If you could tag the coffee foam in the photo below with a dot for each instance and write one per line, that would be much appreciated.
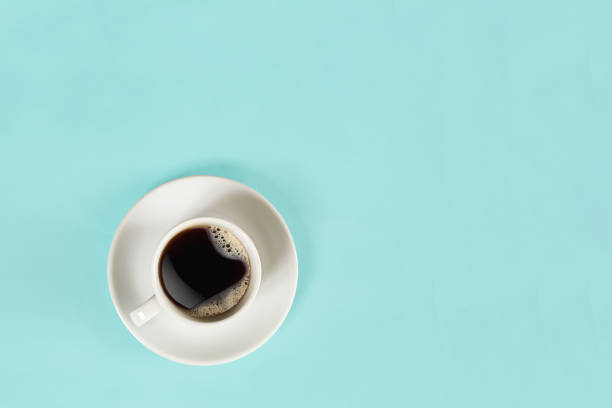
(228, 245)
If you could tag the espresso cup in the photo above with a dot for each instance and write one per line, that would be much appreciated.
(160, 302)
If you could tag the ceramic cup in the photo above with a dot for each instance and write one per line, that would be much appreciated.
(160, 302)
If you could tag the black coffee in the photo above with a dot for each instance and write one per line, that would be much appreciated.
(205, 271)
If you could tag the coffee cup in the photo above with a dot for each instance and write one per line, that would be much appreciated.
(205, 270)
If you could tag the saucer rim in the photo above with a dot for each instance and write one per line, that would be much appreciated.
(172, 356)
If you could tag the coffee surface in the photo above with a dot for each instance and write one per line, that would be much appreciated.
(205, 271)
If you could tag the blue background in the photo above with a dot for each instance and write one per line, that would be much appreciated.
(444, 168)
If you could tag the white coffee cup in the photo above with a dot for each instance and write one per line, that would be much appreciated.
(160, 302)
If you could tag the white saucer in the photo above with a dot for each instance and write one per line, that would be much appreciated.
(131, 252)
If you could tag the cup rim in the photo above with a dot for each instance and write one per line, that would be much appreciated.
(254, 260)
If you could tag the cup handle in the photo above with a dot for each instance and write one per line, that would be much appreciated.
(146, 311)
